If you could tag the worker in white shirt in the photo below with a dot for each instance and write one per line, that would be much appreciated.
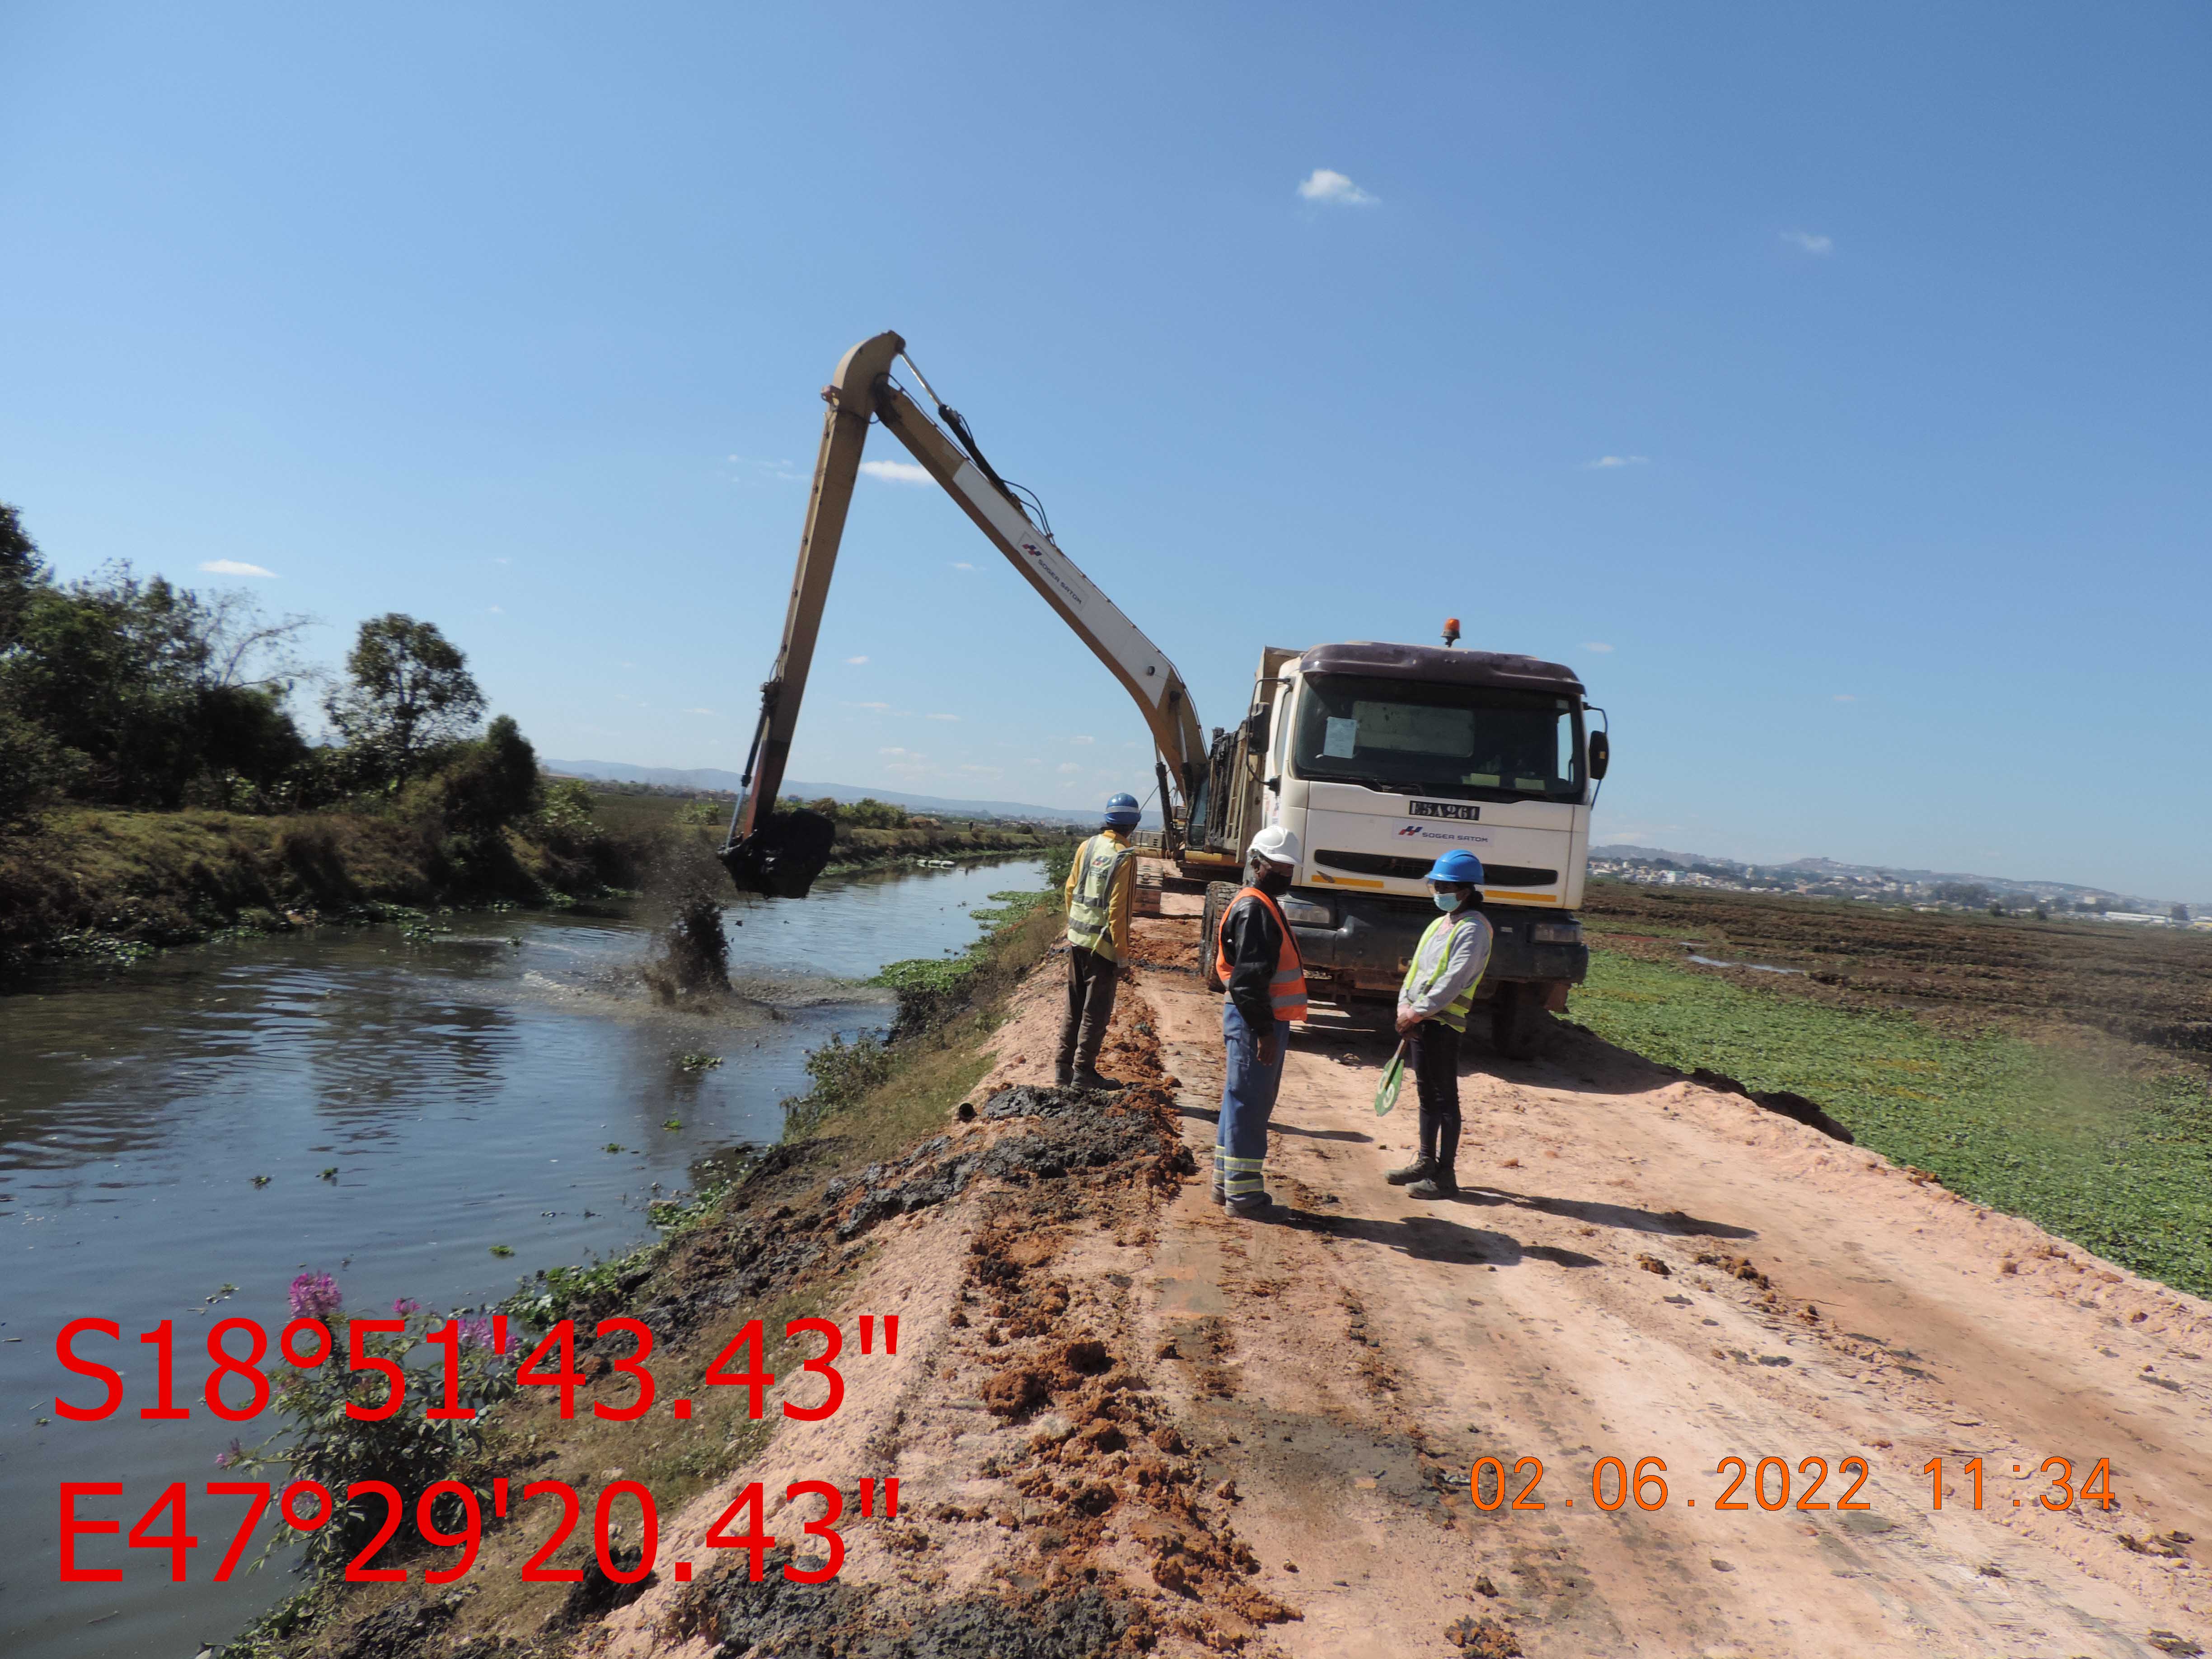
(1432, 1007)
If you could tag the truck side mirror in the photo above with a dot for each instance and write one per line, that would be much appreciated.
(1601, 754)
(1255, 728)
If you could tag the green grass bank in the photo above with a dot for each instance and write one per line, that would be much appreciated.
(2103, 1144)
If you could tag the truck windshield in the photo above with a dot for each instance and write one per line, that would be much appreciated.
(1463, 742)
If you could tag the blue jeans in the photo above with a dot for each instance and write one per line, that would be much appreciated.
(1247, 1101)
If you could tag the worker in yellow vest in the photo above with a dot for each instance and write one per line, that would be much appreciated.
(1101, 886)
(1256, 957)
(1433, 1006)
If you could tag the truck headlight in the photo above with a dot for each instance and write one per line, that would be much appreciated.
(1555, 933)
(1305, 910)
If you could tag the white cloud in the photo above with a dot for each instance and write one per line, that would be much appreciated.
(879, 706)
(699, 711)
(1843, 696)
(1083, 740)
(854, 662)
(945, 717)
(495, 611)
(232, 567)
(1069, 766)
(1605, 461)
(982, 771)
(896, 472)
(897, 751)
(1810, 242)
(1327, 186)
(502, 561)
(1592, 645)
(781, 471)
(962, 564)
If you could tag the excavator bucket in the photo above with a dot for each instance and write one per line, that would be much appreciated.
(780, 859)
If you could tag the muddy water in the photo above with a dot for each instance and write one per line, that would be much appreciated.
(463, 1091)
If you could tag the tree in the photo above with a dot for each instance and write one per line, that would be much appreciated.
(491, 782)
(2180, 913)
(138, 688)
(21, 570)
(410, 694)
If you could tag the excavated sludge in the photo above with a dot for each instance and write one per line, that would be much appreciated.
(838, 1620)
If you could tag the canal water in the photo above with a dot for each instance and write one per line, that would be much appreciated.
(463, 1094)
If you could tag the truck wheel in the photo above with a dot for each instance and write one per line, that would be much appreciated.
(1217, 896)
(1518, 1021)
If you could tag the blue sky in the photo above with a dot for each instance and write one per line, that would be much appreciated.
(1828, 386)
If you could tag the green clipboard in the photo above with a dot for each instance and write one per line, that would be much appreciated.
(1394, 1075)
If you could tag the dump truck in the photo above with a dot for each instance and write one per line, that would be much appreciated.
(1378, 756)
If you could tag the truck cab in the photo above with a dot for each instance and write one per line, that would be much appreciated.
(1379, 757)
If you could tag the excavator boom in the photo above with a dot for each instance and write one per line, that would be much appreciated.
(779, 854)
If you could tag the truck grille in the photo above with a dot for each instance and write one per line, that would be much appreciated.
(1382, 864)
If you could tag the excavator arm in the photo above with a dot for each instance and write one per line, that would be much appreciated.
(779, 854)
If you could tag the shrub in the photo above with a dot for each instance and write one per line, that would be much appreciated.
(407, 1450)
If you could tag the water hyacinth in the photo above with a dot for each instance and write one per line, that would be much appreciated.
(318, 1439)
(315, 1296)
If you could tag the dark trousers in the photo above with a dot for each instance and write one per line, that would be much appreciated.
(1432, 1052)
(1090, 981)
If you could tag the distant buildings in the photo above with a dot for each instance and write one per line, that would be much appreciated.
(1921, 889)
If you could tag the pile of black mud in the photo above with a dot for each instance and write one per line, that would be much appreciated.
(778, 1230)
(838, 1620)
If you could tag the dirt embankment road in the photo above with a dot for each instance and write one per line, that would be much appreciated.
(1123, 1419)
(1591, 1294)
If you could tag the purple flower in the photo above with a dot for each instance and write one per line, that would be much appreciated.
(233, 1453)
(475, 1333)
(404, 1305)
(315, 1296)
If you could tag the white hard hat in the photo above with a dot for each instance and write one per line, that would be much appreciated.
(1275, 844)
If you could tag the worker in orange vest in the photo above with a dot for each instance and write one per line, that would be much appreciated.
(1256, 957)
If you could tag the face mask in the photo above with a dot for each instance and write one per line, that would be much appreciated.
(1449, 901)
(1273, 883)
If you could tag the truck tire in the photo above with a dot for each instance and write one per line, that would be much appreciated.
(1217, 896)
(1518, 1020)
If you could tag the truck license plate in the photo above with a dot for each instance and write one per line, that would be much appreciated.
(1443, 809)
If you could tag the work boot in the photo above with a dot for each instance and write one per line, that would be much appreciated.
(1087, 1078)
(1250, 1204)
(1420, 1168)
(1063, 1075)
(1440, 1183)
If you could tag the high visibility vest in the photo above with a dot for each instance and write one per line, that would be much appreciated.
(1287, 991)
(1455, 1013)
(1090, 911)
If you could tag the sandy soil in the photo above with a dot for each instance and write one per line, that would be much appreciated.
(1257, 1434)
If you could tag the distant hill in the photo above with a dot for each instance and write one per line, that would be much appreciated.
(2006, 888)
(713, 777)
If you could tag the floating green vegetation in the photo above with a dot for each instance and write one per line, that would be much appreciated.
(502, 1250)
(698, 1062)
(2114, 1159)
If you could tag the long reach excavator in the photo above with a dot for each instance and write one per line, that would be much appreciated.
(1378, 756)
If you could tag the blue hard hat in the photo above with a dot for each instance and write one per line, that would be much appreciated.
(1458, 867)
(1122, 811)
